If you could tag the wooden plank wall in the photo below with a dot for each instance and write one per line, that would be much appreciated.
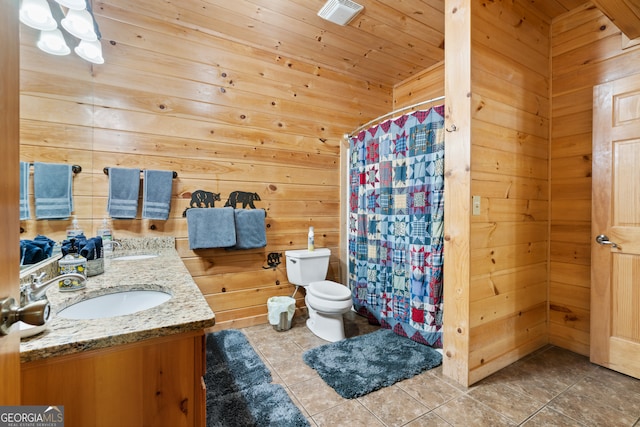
(519, 105)
(457, 188)
(224, 116)
(587, 49)
(510, 111)
(426, 85)
(503, 271)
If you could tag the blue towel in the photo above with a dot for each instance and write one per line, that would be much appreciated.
(250, 228)
(36, 250)
(45, 243)
(211, 228)
(91, 248)
(124, 187)
(53, 190)
(156, 196)
(24, 191)
(30, 253)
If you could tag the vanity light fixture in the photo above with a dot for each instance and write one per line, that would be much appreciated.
(46, 15)
(37, 14)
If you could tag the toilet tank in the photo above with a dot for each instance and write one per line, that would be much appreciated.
(304, 267)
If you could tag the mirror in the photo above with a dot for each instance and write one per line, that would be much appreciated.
(51, 262)
(56, 126)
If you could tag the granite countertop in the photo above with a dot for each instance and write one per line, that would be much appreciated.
(187, 310)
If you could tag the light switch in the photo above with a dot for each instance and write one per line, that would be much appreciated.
(476, 205)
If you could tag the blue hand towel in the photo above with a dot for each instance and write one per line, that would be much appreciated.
(24, 191)
(30, 253)
(124, 187)
(211, 228)
(45, 243)
(52, 190)
(92, 248)
(250, 228)
(156, 197)
(36, 250)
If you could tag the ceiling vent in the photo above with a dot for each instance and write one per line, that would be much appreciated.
(340, 12)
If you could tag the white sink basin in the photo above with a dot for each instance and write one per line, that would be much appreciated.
(116, 304)
(134, 257)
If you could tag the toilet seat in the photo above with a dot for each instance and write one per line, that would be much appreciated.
(328, 290)
(328, 297)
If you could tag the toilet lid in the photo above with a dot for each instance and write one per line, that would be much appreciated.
(329, 290)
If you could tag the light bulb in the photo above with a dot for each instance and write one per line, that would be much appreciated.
(73, 4)
(79, 23)
(52, 42)
(37, 14)
(90, 51)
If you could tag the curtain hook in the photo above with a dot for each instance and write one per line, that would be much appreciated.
(453, 128)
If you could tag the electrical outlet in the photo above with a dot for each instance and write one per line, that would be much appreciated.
(476, 205)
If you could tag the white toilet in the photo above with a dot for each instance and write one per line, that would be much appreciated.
(326, 301)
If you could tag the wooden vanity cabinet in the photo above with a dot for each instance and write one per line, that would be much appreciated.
(155, 382)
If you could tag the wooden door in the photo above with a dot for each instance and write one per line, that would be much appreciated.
(9, 193)
(615, 265)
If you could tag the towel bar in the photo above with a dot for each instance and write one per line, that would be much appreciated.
(74, 168)
(106, 172)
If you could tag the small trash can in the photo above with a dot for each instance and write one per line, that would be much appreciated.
(281, 311)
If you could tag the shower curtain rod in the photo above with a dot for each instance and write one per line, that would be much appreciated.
(408, 107)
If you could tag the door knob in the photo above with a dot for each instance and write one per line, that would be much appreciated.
(37, 313)
(604, 240)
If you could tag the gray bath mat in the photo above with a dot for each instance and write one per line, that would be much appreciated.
(239, 389)
(357, 366)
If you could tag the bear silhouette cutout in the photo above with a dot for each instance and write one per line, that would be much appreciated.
(203, 199)
(243, 197)
(273, 260)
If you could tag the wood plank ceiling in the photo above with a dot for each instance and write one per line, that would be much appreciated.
(624, 13)
(386, 43)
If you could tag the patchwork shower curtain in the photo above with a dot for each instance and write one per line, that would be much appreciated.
(396, 214)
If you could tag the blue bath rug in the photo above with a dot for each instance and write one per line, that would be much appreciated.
(239, 389)
(357, 366)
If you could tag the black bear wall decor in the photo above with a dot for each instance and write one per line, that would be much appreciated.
(203, 199)
(273, 260)
(243, 197)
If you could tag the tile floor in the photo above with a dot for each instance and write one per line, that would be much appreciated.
(552, 387)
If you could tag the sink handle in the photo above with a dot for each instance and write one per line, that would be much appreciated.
(36, 313)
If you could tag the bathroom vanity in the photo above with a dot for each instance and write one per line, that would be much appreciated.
(137, 369)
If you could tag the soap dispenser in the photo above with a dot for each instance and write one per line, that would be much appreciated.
(107, 236)
(72, 262)
(74, 229)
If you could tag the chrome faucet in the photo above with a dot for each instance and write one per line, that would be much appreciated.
(112, 243)
(108, 246)
(35, 290)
